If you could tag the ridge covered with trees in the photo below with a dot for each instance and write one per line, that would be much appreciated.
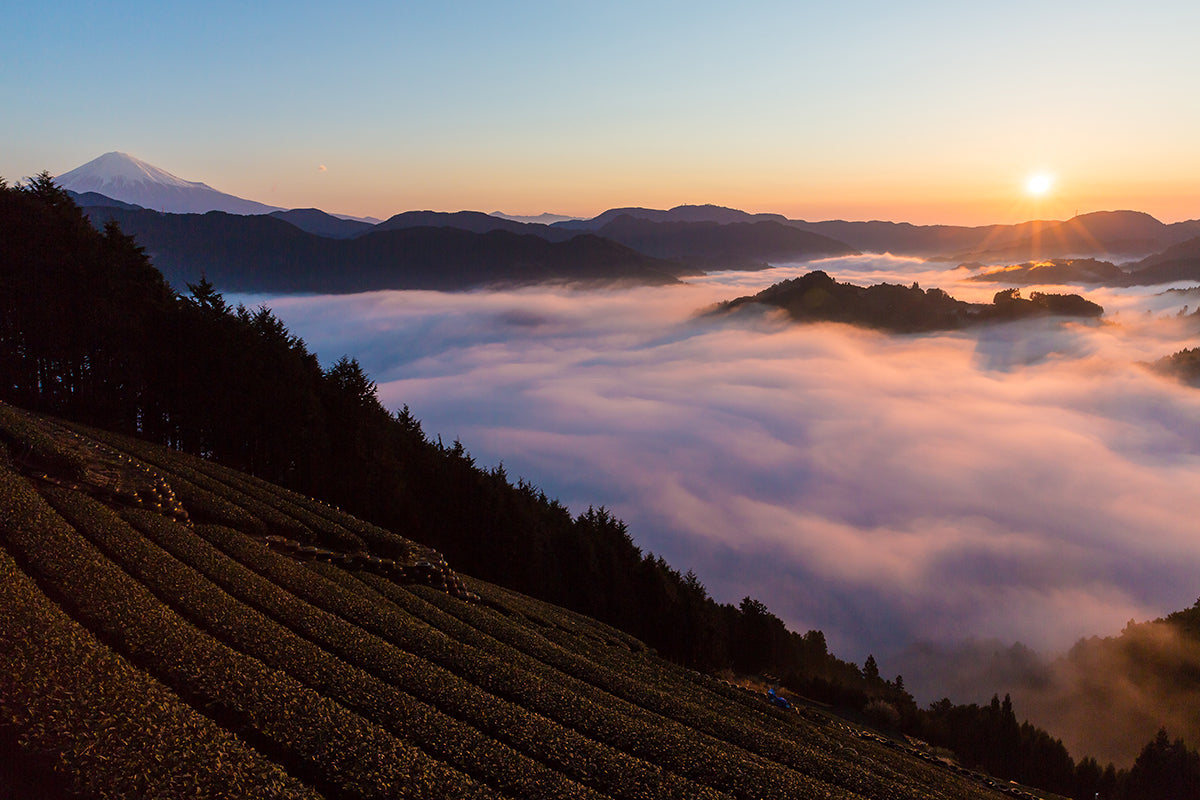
(817, 297)
(91, 332)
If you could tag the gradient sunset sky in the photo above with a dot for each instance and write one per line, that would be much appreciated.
(924, 112)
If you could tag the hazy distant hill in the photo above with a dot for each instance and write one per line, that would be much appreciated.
(1180, 262)
(1107, 232)
(711, 245)
(1058, 271)
(542, 219)
(875, 237)
(1101, 233)
(262, 253)
(474, 221)
(1119, 233)
(704, 213)
(903, 238)
(1105, 696)
(89, 199)
(319, 223)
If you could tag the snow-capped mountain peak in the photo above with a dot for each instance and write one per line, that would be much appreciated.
(124, 177)
(115, 169)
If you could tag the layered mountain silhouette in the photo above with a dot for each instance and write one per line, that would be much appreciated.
(686, 213)
(474, 221)
(635, 244)
(315, 221)
(89, 199)
(1058, 271)
(545, 218)
(263, 253)
(1180, 262)
(1116, 233)
(1113, 233)
(712, 245)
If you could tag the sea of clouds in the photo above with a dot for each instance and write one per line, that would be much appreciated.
(1029, 482)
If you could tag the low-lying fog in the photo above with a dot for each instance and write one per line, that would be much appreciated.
(1028, 482)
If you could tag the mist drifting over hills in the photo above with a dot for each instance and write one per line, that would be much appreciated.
(886, 489)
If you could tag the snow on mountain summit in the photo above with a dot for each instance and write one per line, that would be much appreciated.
(123, 177)
(113, 169)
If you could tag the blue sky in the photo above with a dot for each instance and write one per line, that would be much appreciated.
(930, 111)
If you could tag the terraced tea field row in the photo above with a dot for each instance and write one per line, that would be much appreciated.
(158, 641)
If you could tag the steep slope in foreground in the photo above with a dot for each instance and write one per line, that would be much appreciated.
(165, 635)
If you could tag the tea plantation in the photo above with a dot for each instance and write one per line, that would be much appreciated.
(172, 628)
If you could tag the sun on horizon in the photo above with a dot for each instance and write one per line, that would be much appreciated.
(1039, 184)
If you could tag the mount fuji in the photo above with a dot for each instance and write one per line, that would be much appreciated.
(123, 177)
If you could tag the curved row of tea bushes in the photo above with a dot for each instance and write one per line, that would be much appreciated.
(579, 757)
(309, 735)
(80, 708)
(782, 737)
(588, 709)
(188, 574)
(332, 527)
(547, 616)
(30, 442)
(328, 522)
(694, 709)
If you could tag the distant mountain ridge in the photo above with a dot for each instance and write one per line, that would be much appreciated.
(686, 213)
(90, 199)
(1115, 233)
(1132, 234)
(1101, 233)
(264, 253)
(712, 245)
(474, 221)
(545, 218)
(317, 222)
(644, 245)
(1180, 262)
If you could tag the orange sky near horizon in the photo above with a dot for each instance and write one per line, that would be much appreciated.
(1005, 201)
(926, 112)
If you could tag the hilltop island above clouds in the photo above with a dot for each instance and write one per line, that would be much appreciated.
(816, 297)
